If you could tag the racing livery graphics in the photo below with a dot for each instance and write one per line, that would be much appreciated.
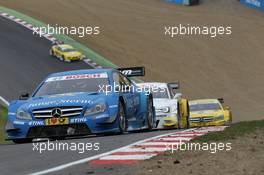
(209, 112)
(172, 111)
(70, 104)
(66, 53)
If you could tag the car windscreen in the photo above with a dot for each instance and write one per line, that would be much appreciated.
(68, 50)
(73, 84)
(158, 92)
(204, 107)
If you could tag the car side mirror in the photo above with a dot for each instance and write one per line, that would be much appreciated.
(174, 85)
(177, 95)
(24, 96)
(227, 108)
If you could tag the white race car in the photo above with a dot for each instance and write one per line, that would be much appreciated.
(172, 111)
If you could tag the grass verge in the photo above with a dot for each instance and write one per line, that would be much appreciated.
(232, 132)
(3, 116)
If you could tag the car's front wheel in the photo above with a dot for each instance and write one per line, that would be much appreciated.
(150, 114)
(121, 117)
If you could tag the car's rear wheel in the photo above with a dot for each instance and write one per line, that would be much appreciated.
(188, 116)
(121, 117)
(229, 122)
(150, 114)
(62, 58)
(183, 114)
(179, 117)
(51, 52)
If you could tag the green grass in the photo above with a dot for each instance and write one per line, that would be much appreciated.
(3, 116)
(234, 131)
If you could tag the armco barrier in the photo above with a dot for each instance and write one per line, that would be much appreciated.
(184, 2)
(257, 4)
(3, 102)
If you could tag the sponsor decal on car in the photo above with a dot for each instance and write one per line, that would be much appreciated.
(19, 122)
(57, 121)
(36, 123)
(76, 77)
(56, 102)
(78, 120)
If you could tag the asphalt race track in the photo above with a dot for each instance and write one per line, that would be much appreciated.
(230, 67)
(25, 59)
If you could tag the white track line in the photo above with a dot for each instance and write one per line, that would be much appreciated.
(61, 167)
(128, 148)
(155, 143)
(184, 135)
(128, 157)
(143, 149)
(178, 138)
(4, 102)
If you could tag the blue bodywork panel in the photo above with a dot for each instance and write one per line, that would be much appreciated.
(76, 113)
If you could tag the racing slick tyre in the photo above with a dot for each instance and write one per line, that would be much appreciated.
(228, 122)
(184, 114)
(63, 58)
(150, 114)
(121, 118)
(20, 141)
(179, 117)
(188, 116)
(51, 53)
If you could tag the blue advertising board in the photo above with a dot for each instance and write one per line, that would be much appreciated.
(257, 4)
(184, 2)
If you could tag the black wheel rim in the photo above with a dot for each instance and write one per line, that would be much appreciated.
(179, 120)
(150, 114)
(122, 118)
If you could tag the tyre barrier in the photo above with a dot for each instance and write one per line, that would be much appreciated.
(184, 2)
(256, 4)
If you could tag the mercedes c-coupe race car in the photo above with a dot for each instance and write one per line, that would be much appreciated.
(81, 102)
(65, 52)
(172, 111)
(209, 112)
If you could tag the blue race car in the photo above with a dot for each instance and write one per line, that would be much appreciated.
(82, 102)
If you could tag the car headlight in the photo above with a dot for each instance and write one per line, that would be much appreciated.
(220, 117)
(164, 110)
(23, 115)
(99, 108)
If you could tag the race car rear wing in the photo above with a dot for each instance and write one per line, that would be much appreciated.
(132, 71)
(57, 42)
(221, 100)
(174, 86)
